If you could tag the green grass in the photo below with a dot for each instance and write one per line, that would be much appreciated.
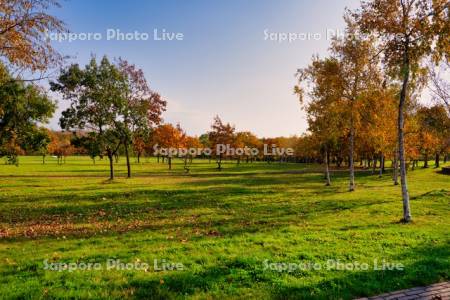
(222, 226)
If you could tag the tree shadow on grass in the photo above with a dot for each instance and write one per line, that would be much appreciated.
(233, 210)
(431, 265)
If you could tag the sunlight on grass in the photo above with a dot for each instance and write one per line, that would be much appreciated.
(221, 226)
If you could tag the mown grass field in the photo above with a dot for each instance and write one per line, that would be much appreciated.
(223, 227)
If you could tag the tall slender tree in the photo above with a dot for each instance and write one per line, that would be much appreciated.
(221, 134)
(324, 105)
(358, 72)
(408, 31)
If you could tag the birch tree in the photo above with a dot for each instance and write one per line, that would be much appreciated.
(408, 32)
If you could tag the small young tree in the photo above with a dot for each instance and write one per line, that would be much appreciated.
(38, 141)
(221, 134)
(434, 127)
(60, 145)
(168, 136)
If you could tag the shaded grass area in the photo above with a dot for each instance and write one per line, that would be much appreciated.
(225, 228)
(82, 166)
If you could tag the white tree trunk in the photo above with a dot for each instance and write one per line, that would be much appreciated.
(351, 162)
(401, 143)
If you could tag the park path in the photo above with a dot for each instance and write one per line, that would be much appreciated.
(437, 291)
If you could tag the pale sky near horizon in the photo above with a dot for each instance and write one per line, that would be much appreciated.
(223, 65)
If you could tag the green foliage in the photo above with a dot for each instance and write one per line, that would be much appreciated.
(97, 96)
(22, 108)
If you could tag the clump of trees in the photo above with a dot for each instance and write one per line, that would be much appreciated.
(25, 47)
(23, 106)
(112, 102)
(362, 100)
(379, 64)
(61, 146)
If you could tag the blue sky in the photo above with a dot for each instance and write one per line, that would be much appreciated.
(222, 66)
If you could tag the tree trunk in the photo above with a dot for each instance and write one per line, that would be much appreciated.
(219, 163)
(425, 162)
(374, 167)
(381, 165)
(169, 160)
(139, 158)
(111, 165)
(43, 159)
(327, 169)
(436, 161)
(127, 155)
(401, 143)
(350, 158)
(186, 169)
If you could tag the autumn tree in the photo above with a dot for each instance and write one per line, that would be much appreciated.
(377, 128)
(60, 145)
(190, 142)
(167, 136)
(24, 25)
(250, 141)
(222, 134)
(408, 31)
(139, 145)
(358, 72)
(434, 124)
(343, 79)
(319, 92)
(142, 111)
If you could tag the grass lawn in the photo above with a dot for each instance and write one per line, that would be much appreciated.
(231, 231)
